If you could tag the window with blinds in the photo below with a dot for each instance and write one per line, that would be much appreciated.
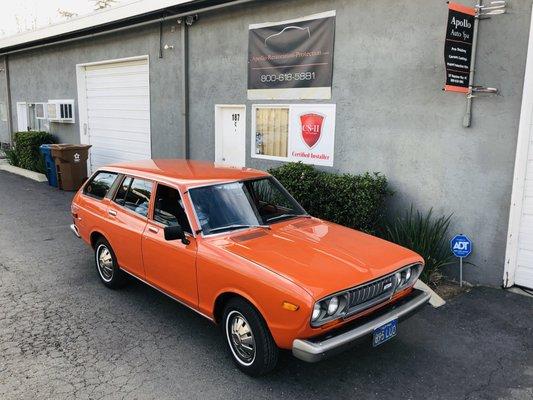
(271, 131)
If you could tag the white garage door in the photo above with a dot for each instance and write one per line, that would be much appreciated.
(118, 112)
(524, 265)
(519, 254)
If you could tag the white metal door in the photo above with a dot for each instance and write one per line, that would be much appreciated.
(22, 116)
(230, 135)
(519, 253)
(116, 121)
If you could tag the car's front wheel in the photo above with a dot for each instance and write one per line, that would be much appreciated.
(250, 343)
(106, 264)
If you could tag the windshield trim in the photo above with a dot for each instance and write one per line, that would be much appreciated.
(197, 220)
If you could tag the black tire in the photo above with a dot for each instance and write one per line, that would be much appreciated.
(110, 274)
(265, 354)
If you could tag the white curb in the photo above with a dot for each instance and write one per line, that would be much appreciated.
(36, 176)
(435, 300)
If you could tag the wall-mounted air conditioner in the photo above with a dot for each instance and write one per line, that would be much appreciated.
(61, 111)
(41, 111)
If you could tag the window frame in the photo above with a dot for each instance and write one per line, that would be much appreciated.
(163, 226)
(150, 201)
(92, 179)
(253, 154)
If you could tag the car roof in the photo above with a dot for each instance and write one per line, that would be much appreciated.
(185, 172)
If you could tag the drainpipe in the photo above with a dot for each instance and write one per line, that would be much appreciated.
(185, 23)
(8, 100)
(185, 85)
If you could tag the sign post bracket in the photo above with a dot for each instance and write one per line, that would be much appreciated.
(468, 114)
(496, 7)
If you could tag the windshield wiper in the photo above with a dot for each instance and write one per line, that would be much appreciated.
(236, 226)
(288, 215)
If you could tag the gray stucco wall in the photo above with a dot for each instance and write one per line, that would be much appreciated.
(392, 116)
(50, 73)
(4, 131)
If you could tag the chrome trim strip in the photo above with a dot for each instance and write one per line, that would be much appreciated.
(75, 230)
(169, 295)
(315, 351)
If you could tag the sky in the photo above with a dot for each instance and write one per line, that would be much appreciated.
(38, 12)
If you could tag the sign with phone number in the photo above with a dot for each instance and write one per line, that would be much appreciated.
(292, 59)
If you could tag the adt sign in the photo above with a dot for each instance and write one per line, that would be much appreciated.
(461, 246)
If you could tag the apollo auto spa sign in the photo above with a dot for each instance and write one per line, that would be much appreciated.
(291, 59)
(312, 133)
(458, 47)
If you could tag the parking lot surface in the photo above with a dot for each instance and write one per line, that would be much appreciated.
(63, 335)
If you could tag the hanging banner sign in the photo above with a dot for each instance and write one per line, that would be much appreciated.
(458, 47)
(291, 59)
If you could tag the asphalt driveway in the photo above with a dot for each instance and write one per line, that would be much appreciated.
(64, 335)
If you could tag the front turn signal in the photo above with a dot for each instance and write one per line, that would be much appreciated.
(289, 306)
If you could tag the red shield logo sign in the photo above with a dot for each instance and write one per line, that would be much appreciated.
(311, 128)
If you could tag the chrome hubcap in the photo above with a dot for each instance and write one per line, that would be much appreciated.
(241, 338)
(104, 261)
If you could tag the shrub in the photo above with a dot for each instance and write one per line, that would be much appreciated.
(426, 235)
(12, 157)
(27, 153)
(355, 201)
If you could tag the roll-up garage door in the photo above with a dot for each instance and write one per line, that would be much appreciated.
(118, 112)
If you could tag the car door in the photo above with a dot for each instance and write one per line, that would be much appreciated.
(170, 265)
(128, 213)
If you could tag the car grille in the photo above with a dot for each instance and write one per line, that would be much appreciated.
(370, 294)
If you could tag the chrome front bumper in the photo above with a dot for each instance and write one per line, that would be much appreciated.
(313, 350)
(74, 229)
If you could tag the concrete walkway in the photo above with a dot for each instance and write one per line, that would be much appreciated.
(63, 335)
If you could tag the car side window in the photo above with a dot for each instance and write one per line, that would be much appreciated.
(168, 209)
(120, 197)
(100, 184)
(134, 194)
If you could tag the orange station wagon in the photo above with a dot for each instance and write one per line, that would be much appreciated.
(233, 245)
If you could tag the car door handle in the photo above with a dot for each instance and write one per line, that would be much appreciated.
(112, 212)
(153, 229)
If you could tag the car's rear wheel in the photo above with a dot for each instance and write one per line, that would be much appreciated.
(106, 264)
(250, 343)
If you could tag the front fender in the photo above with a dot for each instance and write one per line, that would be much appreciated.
(220, 272)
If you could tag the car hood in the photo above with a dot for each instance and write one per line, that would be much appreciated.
(321, 257)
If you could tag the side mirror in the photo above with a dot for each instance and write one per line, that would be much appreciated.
(175, 233)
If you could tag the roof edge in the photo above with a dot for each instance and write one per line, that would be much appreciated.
(94, 20)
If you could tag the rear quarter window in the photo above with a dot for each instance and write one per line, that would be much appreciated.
(100, 184)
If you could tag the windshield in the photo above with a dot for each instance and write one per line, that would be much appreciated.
(238, 205)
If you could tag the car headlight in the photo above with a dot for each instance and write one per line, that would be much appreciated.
(333, 305)
(316, 312)
(407, 276)
(330, 308)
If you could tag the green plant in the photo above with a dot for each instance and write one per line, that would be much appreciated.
(355, 201)
(12, 157)
(27, 145)
(426, 235)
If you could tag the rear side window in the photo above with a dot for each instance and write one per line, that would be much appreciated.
(100, 184)
(134, 194)
(120, 198)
